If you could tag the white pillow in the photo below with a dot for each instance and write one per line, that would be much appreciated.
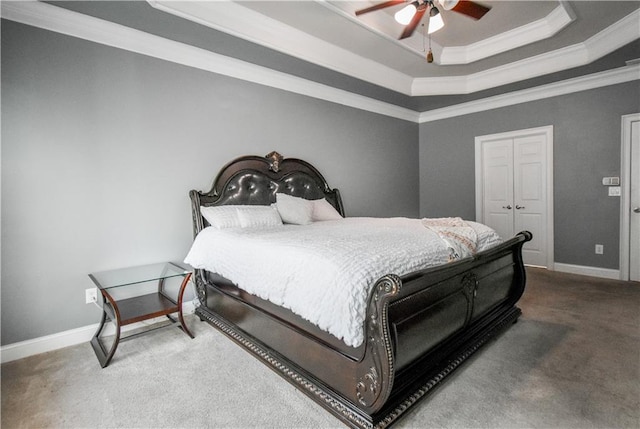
(294, 210)
(221, 217)
(323, 210)
(258, 216)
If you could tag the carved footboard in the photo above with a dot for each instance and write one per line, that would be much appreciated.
(419, 328)
(422, 326)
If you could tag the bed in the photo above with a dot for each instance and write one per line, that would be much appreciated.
(415, 329)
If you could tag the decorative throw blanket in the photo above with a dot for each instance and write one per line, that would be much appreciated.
(458, 235)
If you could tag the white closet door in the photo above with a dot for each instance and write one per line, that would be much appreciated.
(513, 188)
(530, 199)
(634, 248)
(498, 186)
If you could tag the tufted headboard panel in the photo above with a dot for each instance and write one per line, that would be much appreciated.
(255, 180)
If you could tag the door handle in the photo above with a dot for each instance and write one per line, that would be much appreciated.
(636, 210)
(507, 207)
(519, 207)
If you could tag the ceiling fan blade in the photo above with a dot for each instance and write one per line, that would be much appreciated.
(409, 29)
(379, 6)
(471, 9)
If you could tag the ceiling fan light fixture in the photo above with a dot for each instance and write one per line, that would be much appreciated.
(405, 15)
(435, 22)
(448, 4)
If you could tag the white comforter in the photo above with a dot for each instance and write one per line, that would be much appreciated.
(324, 271)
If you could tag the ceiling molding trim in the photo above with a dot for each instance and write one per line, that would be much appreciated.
(535, 31)
(615, 36)
(551, 62)
(247, 24)
(608, 40)
(56, 19)
(624, 74)
(64, 21)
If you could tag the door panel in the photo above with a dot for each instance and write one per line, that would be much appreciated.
(634, 247)
(502, 223)
(498, 180)
(534, 251)
(530, 187)
(498, 186)
(530, 200)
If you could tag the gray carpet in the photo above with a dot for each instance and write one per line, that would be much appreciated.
(572, 361)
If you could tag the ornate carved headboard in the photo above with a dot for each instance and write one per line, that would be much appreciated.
(255, 180)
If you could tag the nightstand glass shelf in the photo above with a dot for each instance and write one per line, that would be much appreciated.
(131, 309)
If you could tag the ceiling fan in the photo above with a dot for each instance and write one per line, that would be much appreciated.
(412, 14)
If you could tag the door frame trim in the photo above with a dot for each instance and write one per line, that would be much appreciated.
(548, 131)
(625, 200)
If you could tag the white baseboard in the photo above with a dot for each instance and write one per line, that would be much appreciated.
(68, 338)
(605, 273)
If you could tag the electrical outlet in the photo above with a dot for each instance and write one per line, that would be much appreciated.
(91, 295)
(599, 249)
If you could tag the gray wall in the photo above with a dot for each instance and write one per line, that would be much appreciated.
(100, 147)
(586, 148)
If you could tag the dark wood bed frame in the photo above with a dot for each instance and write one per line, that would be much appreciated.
(418, 328)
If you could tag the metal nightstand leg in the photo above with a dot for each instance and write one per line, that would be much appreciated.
(103, 356)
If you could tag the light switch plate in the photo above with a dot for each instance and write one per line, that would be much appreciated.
(611, 181)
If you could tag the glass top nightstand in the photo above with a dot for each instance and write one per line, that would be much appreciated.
(132, 309)
(144, 273)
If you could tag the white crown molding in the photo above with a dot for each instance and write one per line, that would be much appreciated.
(614, 37)
(255, 27)
(60, 20)
(535, 31)
(250, 25)
(608, 40)
(63, 21)
(624, 74)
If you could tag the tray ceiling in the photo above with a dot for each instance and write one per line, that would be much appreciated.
(515, 41)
